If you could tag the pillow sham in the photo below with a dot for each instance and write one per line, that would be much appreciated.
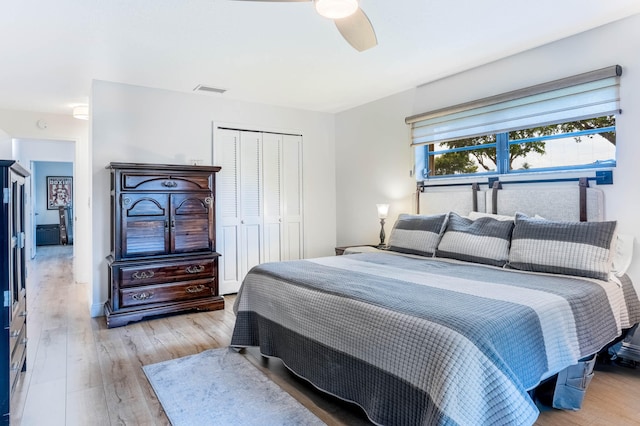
(417, 234)
(571, 248)
(484, 240)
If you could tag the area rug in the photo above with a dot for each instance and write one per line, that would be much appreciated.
(221, 387)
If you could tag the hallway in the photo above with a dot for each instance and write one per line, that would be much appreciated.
(61, 346)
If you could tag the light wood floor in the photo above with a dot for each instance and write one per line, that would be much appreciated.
(81, 373)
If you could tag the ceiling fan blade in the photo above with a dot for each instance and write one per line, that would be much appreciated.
(357, 30)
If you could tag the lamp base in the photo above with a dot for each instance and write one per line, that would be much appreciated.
(382, 235)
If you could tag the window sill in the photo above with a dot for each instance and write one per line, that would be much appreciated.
(601, 176)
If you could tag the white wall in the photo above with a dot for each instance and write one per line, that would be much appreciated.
(6, 148)
(23, 125)
(371, 139)
(137, 124)
(373, 162)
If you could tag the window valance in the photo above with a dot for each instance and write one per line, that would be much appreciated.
(586, 95)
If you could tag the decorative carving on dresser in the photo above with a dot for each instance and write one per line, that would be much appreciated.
(163, 257)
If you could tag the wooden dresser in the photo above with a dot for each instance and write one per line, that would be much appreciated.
(163, 256)
(13, 340)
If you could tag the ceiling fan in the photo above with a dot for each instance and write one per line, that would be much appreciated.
(351, 21)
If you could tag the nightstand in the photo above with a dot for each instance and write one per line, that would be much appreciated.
(340, 250)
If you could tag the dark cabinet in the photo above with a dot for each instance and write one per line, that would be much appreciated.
(13, 341)
(48, 234)
(163, 256)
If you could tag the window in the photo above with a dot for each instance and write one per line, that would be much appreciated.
(563, 125)
(585, 143)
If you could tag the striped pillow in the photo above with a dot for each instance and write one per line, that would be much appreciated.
(416, 234)
(571, 248)
(484, 240)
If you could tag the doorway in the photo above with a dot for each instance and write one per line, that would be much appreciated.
(46, 159)
(51, 204)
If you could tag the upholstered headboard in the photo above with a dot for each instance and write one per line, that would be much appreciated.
(560, 201)
(436, 200)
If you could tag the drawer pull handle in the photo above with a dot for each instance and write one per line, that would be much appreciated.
(142, 275)
(15, 366)
(14, 334)
(142, 296)
(169, 184)
(23, 314)
(25, 340)
(194, 269)
(195, 288)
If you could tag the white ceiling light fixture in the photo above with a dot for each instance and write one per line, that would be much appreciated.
(81, 112)
(336, 9)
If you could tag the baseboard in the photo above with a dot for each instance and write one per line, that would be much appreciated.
(97, 310)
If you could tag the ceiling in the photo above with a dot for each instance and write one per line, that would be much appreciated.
(274, 53)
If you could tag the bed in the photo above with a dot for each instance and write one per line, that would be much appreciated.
(456, 324)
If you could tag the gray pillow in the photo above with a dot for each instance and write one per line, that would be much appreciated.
(484, 240)
(571, 248)
(417, 234)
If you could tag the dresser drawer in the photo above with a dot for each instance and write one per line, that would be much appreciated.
(167, 272)
(18, 354)
(18, 325)
(166, 182)
(172, 292)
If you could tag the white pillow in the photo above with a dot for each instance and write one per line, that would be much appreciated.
(477, 215)
(622, 254)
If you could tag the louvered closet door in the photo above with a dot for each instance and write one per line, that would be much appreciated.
(250, 201)
(227, 155)
(292, 224)
(259, 201)
(272, 171)
(239, 203)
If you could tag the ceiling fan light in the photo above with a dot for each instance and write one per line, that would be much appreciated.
(336, 9)
(81, 112)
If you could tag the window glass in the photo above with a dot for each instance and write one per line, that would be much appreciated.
(464, 156)
(583, 143)
(570, 145)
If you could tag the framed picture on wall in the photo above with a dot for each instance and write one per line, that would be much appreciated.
(59, 192)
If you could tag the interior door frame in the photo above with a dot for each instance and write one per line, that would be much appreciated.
(32, 194)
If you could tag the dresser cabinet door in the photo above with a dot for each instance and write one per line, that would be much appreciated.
(144, 224)
(191, 222)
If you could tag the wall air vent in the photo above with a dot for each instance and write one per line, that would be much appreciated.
(210, 89)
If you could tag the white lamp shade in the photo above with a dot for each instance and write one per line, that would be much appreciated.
(383, 210)
(81, 112)
(336, 9)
